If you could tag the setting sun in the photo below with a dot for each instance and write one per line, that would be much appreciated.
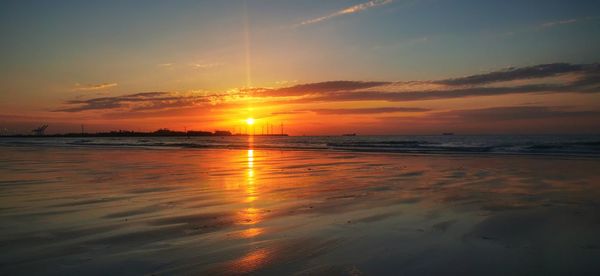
(292, 137)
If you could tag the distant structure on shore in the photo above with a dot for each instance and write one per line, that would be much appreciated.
(246, 134)
(265, 130)
(40, 131)
(448, 133)
(349, 134)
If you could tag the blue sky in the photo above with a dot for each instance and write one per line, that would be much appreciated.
(401, 40)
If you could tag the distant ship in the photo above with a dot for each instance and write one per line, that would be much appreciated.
(349, 134)
(448, 133)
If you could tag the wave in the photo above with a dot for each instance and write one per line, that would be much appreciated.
(587, 147)
(562, 145)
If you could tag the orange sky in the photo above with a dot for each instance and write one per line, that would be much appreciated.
(320, 68)
(552, 98)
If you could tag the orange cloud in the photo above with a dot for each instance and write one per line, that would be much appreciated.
(92, 87)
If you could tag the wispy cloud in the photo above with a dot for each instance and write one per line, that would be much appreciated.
(114, 102)
(548, 25)
(557, 23)
(289, 112)
(323, 87)
(509, 113)
(150, 101)
(346, 11)
(582, 78)
(512, 73)
(286, 82)
(206, 65)
(538, 79)
(93, 87)
(374, 110)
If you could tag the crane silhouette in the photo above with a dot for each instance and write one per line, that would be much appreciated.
(40, 131)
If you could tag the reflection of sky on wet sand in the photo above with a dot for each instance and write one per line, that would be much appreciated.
(233, 211)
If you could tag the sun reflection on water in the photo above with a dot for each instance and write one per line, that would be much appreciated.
(250, 187)
(252, 261)
(250, 215)
(251, 232)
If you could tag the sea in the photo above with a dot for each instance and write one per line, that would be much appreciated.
(579, 145)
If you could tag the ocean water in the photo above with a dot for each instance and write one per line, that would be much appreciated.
(584, 145)
(98, 210)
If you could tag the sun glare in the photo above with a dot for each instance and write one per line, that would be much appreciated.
(250, 121)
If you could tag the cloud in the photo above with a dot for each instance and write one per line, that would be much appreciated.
(322, 87)
(540, 79)
(142, 99)
(206, 65)
(498, 119)
(346, 11)
(190, 111)
(291, 112)
(437, 95)
(508, 113)
(552, 24)
(149, 101)
(581, 78)
(556, 23)
(286, 82)
(375, 110)
(92, 87)
(537, 71)
(548, 25)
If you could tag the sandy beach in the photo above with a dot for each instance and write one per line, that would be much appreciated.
(300, 137)
(99, 211)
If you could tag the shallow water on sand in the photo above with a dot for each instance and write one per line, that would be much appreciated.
(178, 211)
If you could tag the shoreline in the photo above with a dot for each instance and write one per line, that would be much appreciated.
(325, 150)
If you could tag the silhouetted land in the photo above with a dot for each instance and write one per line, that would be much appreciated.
(158, 133)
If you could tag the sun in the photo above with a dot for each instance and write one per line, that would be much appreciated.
(250, 121)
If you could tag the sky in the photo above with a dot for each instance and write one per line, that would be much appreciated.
(318, 67)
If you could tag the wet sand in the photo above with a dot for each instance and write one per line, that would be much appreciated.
(99, 211)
